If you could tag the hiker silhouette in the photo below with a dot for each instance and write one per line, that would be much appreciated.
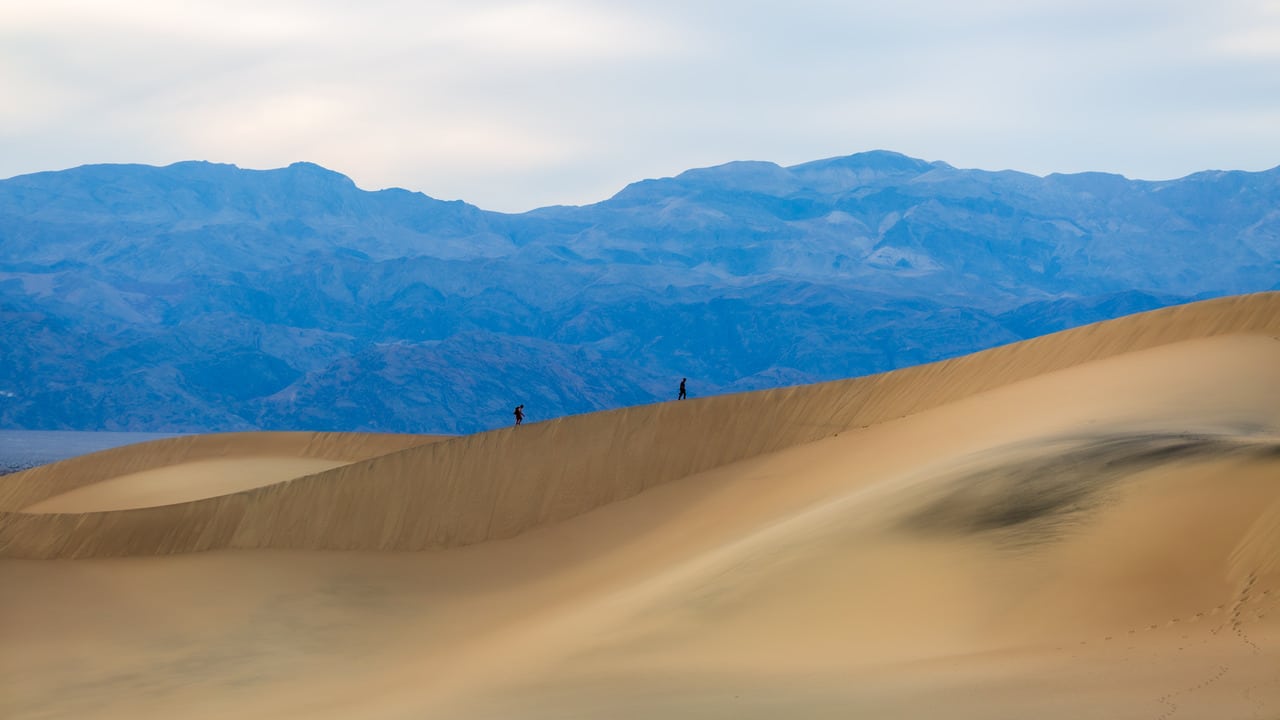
(682, 393)
(519, 413)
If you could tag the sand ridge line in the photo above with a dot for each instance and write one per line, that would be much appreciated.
(183, 482)
(502, 483)
(37, 484)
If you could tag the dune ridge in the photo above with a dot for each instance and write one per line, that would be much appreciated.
(31, 486)
(499, 484)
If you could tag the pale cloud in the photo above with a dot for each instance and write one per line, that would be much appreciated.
(544, 32)
(1256, 42)
(513, 105)
(224, 23)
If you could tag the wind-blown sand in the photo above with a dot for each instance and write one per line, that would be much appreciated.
(1083, 525)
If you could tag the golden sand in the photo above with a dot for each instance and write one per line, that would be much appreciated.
(1082, 525)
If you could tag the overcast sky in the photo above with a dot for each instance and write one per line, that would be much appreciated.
(516, 105)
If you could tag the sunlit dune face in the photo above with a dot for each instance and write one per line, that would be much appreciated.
(184, 482)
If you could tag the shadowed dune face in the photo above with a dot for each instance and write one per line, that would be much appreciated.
(1061, 480)
(1010, 538)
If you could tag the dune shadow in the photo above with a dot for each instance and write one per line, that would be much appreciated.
(1053, 484)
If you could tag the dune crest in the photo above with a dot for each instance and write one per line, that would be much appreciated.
(498, 484)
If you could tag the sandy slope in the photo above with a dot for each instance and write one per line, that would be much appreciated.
(498, 484)
(184, 482)
(24, 489)
(1087, 525)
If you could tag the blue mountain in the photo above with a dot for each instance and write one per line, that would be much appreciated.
(201, 296)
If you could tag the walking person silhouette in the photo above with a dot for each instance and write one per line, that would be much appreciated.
(519, 413)
(682, 393)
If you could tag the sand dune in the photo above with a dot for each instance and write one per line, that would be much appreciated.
(193, 480)
(1087, 524)
(498, 484)
(31, 486)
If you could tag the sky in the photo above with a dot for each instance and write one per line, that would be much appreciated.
(517, 105)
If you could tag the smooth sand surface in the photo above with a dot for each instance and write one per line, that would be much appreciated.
(183, 482)
(29, 487)
(1085, 525)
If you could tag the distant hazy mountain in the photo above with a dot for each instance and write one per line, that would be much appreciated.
(205, 297)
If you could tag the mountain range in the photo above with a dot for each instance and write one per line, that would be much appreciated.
(206, 297)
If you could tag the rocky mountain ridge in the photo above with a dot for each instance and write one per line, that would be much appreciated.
(206, 297)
